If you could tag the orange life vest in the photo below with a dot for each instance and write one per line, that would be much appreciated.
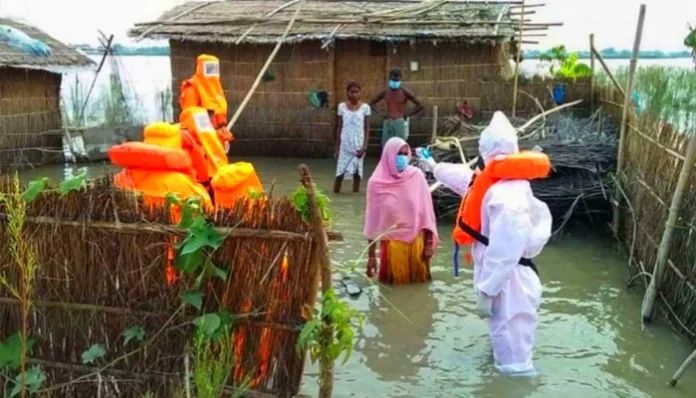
(526, 165)
(197, 122)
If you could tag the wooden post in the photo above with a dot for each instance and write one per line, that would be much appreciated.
(517, 64)
(434, 135)
(608, 71)
(666, 242)
(624, 119)
(317, 225)
(592, 77)
(680, 372)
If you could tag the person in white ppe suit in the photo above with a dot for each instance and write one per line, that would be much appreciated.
(506, 227)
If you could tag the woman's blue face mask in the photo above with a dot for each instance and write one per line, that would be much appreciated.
(401, 162)
(394, 84)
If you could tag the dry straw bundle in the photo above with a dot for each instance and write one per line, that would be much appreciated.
(102, 256)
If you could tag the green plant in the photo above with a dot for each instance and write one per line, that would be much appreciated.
(330, 333)
(212, 363)
(13, 351)
(300, 202)
(565, 65)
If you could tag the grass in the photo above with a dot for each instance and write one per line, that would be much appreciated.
(666, 93)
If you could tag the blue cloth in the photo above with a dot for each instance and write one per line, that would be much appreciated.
(25, 43)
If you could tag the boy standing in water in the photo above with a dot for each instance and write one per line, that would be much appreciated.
(396, 98)
(352, 136)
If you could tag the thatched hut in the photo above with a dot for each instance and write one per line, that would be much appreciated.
(449, 51)
(30, 98)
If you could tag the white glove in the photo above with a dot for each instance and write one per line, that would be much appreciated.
(484, 306)
(425, 161)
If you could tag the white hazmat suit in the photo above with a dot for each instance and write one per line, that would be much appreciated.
(517, 225)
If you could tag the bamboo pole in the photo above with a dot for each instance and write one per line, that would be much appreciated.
(317, 223)
(666, 242)
(624, 118)
(264, 69)
(592, 77)
(608, 71)
(182, 14)
(517, 65)
(680, 372)
(434, 135)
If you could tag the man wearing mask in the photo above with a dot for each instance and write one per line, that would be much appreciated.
(506, 226)
(396, 98)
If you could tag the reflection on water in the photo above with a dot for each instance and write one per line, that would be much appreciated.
(589, 342)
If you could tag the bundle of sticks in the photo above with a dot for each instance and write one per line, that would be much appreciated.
(583, 152)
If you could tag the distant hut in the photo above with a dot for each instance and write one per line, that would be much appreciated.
(30, 95)
(447, 50)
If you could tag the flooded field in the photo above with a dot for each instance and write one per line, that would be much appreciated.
(589, 342)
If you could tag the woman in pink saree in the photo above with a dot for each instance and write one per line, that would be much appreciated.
(400, 214)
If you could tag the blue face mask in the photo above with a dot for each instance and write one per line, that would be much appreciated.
(394, 84)
(401, 162)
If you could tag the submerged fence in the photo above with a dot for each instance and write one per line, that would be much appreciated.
(654, 156)
(101, 258)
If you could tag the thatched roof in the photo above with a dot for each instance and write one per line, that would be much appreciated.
(255, 21)
(61, 54)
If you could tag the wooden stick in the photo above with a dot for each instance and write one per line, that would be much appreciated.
(172, 229)
(317, 222)
(434, 135)
(517, 66)
(608, 71)
(182, 14)
(624, 117)
(666, 242)
(680, 372)
(263, 70)
(592, 77)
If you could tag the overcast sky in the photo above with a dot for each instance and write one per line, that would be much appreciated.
(612, 21)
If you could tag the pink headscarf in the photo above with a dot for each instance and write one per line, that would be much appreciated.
(398, 202)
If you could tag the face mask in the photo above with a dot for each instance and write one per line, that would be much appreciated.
(394, 84)
(401, 162)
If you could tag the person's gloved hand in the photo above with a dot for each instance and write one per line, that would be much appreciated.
(484, 306)
(425, 161)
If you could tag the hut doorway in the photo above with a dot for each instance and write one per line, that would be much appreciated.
(365, 62)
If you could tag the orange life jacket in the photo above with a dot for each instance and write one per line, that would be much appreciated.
(149, 156)
(197, 122)
(234, 181)
(526, 165)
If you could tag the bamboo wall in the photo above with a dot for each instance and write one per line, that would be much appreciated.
(654, 156)
(29, 107)
(279, 120)
(96, 279)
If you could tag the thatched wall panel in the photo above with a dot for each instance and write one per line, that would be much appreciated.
(117, 275)
(29, 106)
(447, 73)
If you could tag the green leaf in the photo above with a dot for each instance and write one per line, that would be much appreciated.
(34, 378)
(193, 298)
(73, 184)
(307, 331)
(171, 199)
(94, 352)
(207, 236)
(208, 324)
(11, 351)
(34, 188)
(189, 263)
(133, 332)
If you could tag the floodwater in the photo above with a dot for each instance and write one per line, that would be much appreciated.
(589, 342)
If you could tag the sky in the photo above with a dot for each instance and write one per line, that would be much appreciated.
(612, 21)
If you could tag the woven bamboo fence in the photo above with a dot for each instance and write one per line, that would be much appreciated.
(102, 256)
(29, 106)
(654, 155)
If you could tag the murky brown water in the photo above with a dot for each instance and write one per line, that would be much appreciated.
(589, 342)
